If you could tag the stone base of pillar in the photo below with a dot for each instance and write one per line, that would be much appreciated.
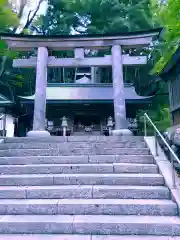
(122, 132)
(38, 134)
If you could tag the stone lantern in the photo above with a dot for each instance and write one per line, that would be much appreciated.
(64, 125)
(110, 125)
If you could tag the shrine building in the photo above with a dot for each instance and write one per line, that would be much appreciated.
(88, 103)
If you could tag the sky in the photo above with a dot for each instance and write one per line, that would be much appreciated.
(30, 5)
(34, 3)
(43, 8)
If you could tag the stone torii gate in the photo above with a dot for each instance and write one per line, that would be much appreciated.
(79, 44)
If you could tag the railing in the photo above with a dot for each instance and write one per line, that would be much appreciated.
(157, 133)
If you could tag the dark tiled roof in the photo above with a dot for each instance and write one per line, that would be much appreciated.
(79, 93)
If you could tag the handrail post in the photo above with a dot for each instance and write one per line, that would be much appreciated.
(156, 143)
(145, 126)
(173, 173)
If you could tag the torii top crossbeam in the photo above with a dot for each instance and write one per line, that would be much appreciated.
(22, 42)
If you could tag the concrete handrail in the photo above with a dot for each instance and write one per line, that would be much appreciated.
(172, 153)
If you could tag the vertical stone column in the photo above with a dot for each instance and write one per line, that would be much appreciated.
(79, 52)
(93, 74)
(121, 124)
(4, 125)
(40, 95)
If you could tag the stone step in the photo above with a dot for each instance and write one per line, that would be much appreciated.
(78, 168)
(82, 237)
(84, 191)
(147, 159)
(126, 237)
(81, 179)
(88, 207)
(134, 168)
(130, 192)
(136, 139)
(122, 159)
(47, 237)
(73, 151)
(66, 145)
(90, 224)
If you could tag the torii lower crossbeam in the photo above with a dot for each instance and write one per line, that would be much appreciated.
(79, 62)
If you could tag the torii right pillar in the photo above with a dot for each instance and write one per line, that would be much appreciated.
(121, 124)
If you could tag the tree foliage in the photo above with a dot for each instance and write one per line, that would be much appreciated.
(95, 16)
(103, 16)
(166, 13)
(109, 16)
(84, 16)
(160, 117)
(57, 20)
(8, 18)
(14, 18)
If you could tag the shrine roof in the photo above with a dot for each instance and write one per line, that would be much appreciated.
(88, 92)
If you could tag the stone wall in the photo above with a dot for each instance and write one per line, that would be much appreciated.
(176, 117)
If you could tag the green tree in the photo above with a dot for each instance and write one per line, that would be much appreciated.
(167, 14)
(8, 18)
(160, 117)
(57, 20)
(109, 16)
(14, 18)
(103, 16)
(95, 16)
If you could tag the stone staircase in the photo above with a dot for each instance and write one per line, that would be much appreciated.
(87, 186)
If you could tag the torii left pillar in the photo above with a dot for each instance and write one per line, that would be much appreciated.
(40, 95)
